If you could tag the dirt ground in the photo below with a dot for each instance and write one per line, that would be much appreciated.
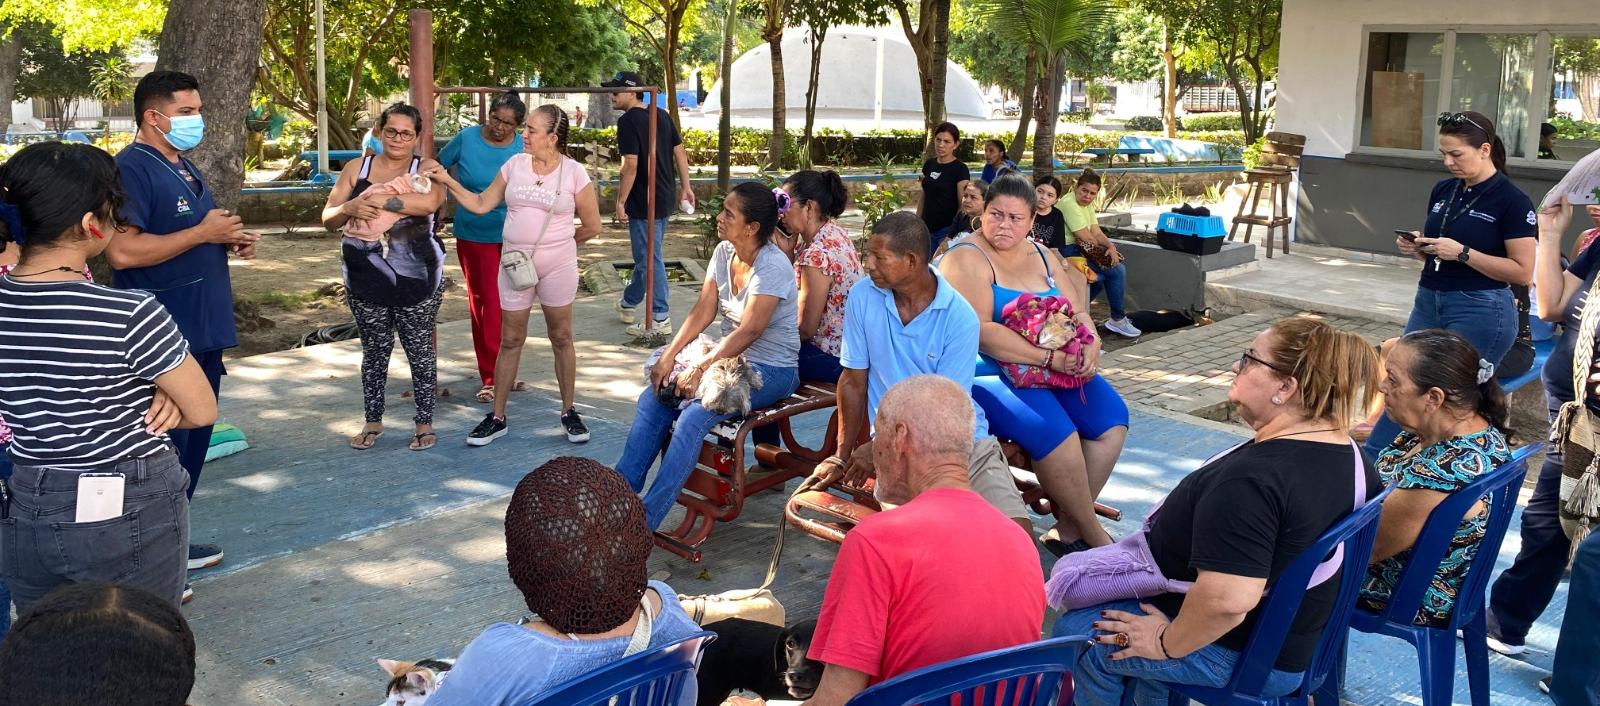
(290, 269)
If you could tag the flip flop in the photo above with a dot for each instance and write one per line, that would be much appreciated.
(417, 443)
(365, 440)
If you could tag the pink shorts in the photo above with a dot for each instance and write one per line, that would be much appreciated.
(557, 267)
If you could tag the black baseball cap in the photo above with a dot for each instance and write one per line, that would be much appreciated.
(625, 79)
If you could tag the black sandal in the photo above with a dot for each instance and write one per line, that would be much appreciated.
(416, 441)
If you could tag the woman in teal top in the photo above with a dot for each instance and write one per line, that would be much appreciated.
(474, 157)
(1073, 436)
(1452, 416)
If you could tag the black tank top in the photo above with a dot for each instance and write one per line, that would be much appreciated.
(405, 267)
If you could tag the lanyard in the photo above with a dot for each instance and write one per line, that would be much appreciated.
(163, 160)
(1451, 215)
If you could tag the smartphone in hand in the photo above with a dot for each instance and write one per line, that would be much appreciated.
(1408, 235)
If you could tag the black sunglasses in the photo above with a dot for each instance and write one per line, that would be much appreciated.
(1248, 357)
(1456, 119)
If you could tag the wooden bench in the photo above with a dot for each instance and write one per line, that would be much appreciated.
(830, 514)
(716, 489)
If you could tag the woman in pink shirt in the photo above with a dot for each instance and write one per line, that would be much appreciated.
(542, 188)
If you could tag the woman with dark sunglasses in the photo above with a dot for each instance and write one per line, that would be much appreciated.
(1478, 236)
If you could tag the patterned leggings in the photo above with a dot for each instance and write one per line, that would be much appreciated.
(378, 325)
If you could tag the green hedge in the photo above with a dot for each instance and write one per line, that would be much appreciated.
(876, 148)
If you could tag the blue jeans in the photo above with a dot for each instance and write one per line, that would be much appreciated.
(652, 422)
(1521, 593)
(1487, 318)
(1575, 679)
(633, 294)
(816, 365)
(936, 237)
(1113, 281)
(1099, 681)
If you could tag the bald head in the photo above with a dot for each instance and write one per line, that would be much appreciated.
(935, 412)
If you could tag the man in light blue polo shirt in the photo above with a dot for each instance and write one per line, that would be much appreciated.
(905, 320)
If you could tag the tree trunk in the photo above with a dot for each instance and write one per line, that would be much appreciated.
(1247, 111)
(599, 113)
(818, 35)
(780, 115)
(1048, 106)
(10, 69)
(669, 58)
(1169, 83)
(1030, 80)
(931, 44)
(725, 119)
(1588, 91)
(219, 43)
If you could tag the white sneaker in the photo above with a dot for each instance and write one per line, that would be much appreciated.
(1123, 326)
(625, 312)
(661, 328)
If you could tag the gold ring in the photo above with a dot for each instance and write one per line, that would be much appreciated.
(1122, 639)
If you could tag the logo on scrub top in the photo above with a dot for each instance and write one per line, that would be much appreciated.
(183, 207)
(1437, 205)
(934, 175)
(1532, 219)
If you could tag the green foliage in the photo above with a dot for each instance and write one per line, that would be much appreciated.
(1144, 123)
(112, 80)
(89, 25)
(879, 200)
(55, 76)
(1252, 153)
(1569, 129)
(1127, 50)
(987, 51)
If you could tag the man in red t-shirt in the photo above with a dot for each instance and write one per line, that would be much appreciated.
(940, 576)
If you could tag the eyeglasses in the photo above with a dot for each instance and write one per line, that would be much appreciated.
(502, 123)
(1456, 119)
(390, 133)
(1247, 357)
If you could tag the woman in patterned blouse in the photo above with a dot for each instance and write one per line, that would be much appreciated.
(1453, 417)
(826, 266)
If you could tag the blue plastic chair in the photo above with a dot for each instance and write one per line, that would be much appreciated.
(1436, 646)
(653, 678)
(1357, 531)
(1027, 675)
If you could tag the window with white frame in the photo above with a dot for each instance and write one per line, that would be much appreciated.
(1541, 87)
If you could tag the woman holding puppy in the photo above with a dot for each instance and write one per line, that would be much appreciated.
(751, 283)
(543, 188)
(1478, 236)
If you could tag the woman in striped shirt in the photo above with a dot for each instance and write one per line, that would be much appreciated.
(91, 379)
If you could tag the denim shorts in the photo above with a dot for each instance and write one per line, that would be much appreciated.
(42, 548)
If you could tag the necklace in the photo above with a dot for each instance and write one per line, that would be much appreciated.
(62, 268)
(1298, 433)
(538, 180)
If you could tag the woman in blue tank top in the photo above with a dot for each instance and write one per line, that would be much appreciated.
(1073, 436)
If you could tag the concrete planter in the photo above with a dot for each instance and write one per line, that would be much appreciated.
(1165, 279)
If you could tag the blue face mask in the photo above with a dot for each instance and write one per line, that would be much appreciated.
(187, 130)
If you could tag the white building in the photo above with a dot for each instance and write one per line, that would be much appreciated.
(1365, 81)
(849, 78)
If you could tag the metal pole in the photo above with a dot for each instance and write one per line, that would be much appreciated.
(422, 89)
(877, 102)
(322, 99)
(650, 217)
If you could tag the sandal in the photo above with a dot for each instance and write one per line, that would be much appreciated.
(485, 394)
(418, 444)
(365, 440)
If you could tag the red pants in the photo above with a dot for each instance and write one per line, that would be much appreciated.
(480, 265)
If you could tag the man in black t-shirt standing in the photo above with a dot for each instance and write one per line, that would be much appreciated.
(633, 138)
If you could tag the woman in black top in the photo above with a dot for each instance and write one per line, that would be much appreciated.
(1478, 237)
(394, 285)
(1233, 526)
(943, 179)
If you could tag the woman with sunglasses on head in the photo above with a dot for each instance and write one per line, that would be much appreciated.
(544, 189)
(1477, 238)
(474, 158)
(394, 283)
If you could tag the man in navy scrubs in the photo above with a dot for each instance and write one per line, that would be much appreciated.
(177, 243)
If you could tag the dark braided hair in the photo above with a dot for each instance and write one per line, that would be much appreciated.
(576, 545)
(558, 124)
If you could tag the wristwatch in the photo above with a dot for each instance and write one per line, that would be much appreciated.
(1462, 258)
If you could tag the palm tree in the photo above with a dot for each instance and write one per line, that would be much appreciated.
(1051, 29)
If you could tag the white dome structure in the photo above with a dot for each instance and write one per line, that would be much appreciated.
(846, 82)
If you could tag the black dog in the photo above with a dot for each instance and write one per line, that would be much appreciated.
(766, 659)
